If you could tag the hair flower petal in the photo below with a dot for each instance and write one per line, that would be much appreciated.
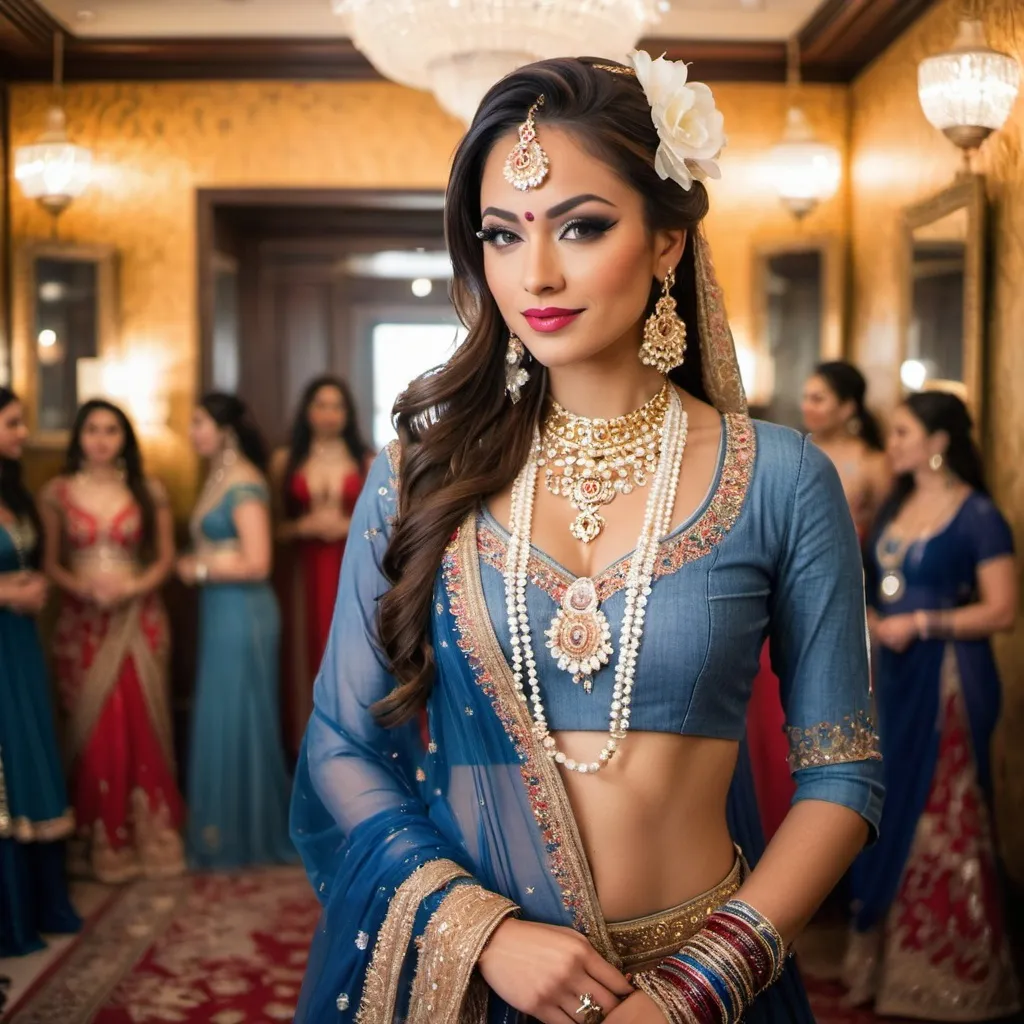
(690, 127)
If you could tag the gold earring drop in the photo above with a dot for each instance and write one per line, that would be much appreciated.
(664, 344)
(935, 462)
(515, 376)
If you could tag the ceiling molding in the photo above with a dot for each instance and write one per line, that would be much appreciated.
(845, 36)
(840, 39)
(32, 22)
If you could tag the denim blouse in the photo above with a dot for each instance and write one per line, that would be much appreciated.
(770, 554)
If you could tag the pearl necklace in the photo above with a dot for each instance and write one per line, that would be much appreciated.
(657, 520)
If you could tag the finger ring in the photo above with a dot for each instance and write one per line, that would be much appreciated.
(590, 1008)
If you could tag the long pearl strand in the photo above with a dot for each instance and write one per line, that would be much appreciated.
(657, 520)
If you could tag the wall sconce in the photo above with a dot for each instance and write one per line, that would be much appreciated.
(133, 383)
(805, 171)
(968, 92)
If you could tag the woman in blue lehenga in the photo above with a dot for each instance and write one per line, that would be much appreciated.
(501, 829)
(929, 938)
(35, 816)
(237, 779)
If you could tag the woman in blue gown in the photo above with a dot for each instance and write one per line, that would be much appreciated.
(502, 829)
(237, 780)
(35, 817)
(929, 938)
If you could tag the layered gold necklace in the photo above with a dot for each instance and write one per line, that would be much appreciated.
(591, 461)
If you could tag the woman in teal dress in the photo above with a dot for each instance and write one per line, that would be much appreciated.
(238, 785)
(34, 812)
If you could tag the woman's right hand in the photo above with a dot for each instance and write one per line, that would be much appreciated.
(543, 970)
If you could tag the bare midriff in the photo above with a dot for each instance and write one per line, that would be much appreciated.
(653, 823)
(89, 565)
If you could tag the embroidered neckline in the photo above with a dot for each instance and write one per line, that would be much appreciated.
(688, 542)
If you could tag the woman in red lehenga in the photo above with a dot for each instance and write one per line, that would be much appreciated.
(835, 414)
(109, 548)
(319, 479)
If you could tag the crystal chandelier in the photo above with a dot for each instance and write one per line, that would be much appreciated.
(968, 93)
(52, 170)
(459, 48)
(805, 170)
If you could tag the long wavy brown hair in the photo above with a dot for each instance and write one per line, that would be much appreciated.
(461, 438)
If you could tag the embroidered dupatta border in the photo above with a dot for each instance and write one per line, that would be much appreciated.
(446, 988)
(546, 792)
(380, 987)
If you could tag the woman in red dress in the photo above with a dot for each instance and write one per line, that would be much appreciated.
(319, 479)
(109, 548)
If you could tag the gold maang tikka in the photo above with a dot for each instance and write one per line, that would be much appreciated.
(527, 165)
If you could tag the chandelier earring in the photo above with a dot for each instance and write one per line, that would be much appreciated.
(515, 376)
(664, 345)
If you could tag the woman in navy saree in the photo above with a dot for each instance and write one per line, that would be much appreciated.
(476, 857)
(929, 939)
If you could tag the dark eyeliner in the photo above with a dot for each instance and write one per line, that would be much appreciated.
(597, 225)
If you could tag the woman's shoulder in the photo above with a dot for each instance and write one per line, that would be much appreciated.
(979, 509)
(246, 479)
(53, 491)
(384, 468)
(788, 461)
(780, 450)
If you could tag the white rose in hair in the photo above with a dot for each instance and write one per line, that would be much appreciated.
(690, 126)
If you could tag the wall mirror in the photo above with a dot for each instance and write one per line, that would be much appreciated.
(65, 310)
(798, 317)
(942, 288)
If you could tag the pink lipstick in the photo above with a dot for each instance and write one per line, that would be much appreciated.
(551, 319)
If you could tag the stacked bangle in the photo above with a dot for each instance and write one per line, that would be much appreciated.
(718, 973)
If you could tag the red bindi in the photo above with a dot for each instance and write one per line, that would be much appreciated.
(528, 215)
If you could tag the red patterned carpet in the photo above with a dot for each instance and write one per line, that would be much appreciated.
(202, 950)
(215, 949)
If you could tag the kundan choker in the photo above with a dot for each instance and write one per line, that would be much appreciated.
(590, 461)
(657, 521)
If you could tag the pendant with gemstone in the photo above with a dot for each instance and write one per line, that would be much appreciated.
(579, 637)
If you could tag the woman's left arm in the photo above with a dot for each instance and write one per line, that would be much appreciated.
(820, 652)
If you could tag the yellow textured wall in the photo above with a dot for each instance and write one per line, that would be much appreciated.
(898, 159)
(155, 144)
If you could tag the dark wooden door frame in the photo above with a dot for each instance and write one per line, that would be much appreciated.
(209, 201)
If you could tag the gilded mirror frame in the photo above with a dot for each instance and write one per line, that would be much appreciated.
(967, 193)
(24, 363)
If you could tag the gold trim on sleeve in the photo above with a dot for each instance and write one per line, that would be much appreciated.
(852, 739)
(380, 987)
(442, 990)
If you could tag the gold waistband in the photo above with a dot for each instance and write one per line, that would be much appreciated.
(646, 940)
